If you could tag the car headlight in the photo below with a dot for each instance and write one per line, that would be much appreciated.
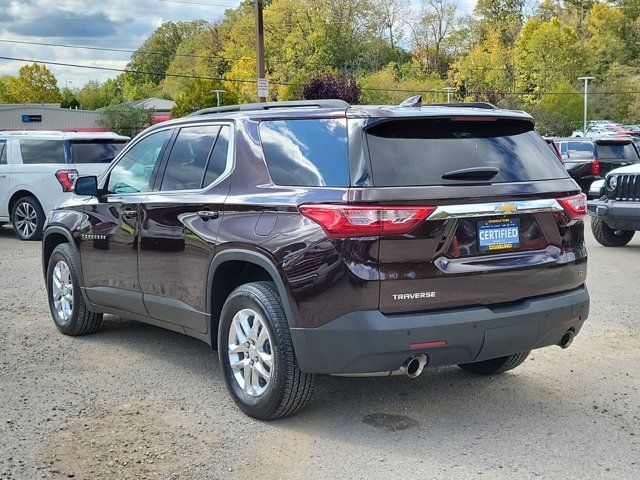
(612, 182)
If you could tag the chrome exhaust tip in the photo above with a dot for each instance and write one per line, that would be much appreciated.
(567, 339)
(413, 366)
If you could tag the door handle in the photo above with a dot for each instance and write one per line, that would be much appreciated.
(208, 215)
(129, 213)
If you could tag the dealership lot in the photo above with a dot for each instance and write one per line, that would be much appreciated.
(136, 401)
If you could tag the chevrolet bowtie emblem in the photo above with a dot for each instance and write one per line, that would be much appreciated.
(507, 208)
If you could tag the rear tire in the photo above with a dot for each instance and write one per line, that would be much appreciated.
(607, 236)
(27, 218)
(70, 314)
(495, 366)
(284, 390)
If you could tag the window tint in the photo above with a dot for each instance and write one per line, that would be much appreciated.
(580, 150)
(218, 160)
(421, 151)
(616, 151)
(95, 151)
(306, 152)
(3, 152)
(188, 158)
(133, 171)
(563, 149)
(42, 151)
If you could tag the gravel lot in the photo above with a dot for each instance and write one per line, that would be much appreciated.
(136, 401)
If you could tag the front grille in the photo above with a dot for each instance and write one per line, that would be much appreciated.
(628, 188)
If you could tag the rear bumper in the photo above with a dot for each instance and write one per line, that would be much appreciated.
(618, 215)
(369, 341)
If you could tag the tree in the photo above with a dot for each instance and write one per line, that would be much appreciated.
(340, 87)
(124, 119)
(502, 16)
(96, 95)
(606, 44)
(437, 22)
(560, 112)
(200, 94)
(391, 14)
(68, 99)
(547, 54)
(394, 83)
(34, 84)
(154, 56)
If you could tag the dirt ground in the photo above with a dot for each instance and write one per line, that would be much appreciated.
(136, 401)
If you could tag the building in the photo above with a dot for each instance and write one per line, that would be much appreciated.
(47, 116)
(160, 108)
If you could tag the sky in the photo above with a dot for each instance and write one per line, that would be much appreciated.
(107, 23)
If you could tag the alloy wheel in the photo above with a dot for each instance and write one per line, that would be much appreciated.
(250, 353)
(25, 219)
(62, 291)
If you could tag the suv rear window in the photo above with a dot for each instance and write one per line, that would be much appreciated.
(95, 151)
(613, 150)
(580, 150)
(309, 153)
(42, 151)
(420, 151)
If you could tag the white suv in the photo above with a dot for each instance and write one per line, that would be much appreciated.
(37, 170)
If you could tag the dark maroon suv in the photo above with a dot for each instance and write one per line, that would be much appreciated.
(304, 238)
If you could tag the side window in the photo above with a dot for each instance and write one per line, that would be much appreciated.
(564, 149)
(42, 151)
(132, 173)
(218, 161)
(188, 159)
(309, 153)
(3, 152)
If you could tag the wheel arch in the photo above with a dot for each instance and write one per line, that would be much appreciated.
(51, 238)
(18, 194)
(239, 266)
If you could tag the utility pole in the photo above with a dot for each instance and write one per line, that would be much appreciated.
(586, 94)
(218, 91)
(259, 44)
(449, 91)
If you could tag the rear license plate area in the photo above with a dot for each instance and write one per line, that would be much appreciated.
(498, 234)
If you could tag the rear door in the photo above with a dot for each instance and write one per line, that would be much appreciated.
(180, 222)
(493, 186)
(615, 153)
(5, 179)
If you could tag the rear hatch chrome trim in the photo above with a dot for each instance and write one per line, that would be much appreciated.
(495, 208)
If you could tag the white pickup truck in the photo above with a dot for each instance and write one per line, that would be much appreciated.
(38, 168)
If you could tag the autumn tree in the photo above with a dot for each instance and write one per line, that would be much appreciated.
(200, 94)
(34, 84)
(433, 34)
(341, 87)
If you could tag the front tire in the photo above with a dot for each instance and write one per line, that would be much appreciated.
(70, 314)
(27, 218)
(495, 366)
(256, 354)
(607, 236)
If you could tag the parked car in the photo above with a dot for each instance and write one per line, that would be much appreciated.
(579, 159)
(305, 238)
(615, 152)
(37, 170)
(615, 216)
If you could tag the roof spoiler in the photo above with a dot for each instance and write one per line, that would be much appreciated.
(249, 107)
(483, 105)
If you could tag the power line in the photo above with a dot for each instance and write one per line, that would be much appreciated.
(273, 82)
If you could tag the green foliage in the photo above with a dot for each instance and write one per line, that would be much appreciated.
(124, 119)
(199, 94)
(378, 88)
(559, 112)
(34, 83)
(68, 99)
(96, 95)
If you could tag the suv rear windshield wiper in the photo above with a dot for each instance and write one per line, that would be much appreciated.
(473, 173)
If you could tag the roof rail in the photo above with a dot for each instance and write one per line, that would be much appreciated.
(483, 105)
(248, 107)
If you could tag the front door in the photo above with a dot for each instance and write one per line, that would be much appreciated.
(180, 222)
(109, 243)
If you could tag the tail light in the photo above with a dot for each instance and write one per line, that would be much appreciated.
(595, 167)
(346, 221)
(575, 206)
(66, 179)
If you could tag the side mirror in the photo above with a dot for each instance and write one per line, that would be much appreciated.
(86, 186)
